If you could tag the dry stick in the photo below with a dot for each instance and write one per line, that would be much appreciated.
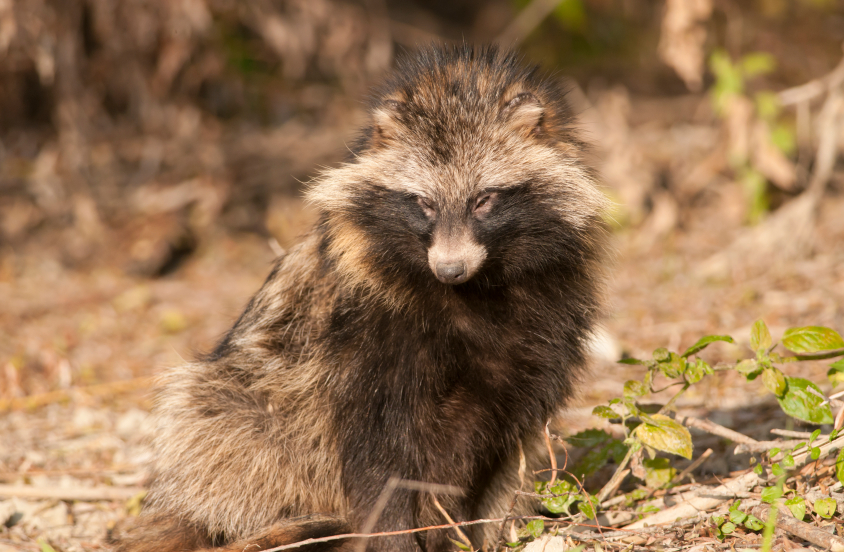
(839, 419)
(551, 454)
(346, 536)
(802, 530)
(392, 484)
(789, 433)
(448, 518)
(814, 88)
(694, 465)
(705, 499)
(71, 493)
(716, 429)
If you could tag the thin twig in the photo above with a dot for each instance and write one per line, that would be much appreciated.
(346, 536)
(789, 433)
(814, 88)
(395, 483)
(448, 518)
(551, 454)
(694, 465)
(717, 429)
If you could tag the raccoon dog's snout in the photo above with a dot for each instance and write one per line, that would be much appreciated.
(455, 256)
(452, 273)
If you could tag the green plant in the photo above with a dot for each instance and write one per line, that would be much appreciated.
(652, 431)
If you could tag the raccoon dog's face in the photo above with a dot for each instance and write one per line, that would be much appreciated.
(469, 172)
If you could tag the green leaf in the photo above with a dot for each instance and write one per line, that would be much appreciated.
(835, 374)
(560, 504)
(754, 523)
(589, 438)
(695, 371)
(605, 412)
(767, 104)
(459, 544)
(774, 381)
(839, 466)
(814, 436)
(777, 470)
(673, 367)
(587, 508)
(703, 342)
(773, 452)
(572, 14)
(747, 366)
(631, 361)
(784, 138)
(760, 337)
(535, 528)
(825, 507)
(662, 354)
(728, 528)
(758, 469)
(658, 472)
(771, 494)
(591, 462)
(803, 405)
(797, 506)
(44, 545)
(757, 63)
(812, 339)
(513, 544)
(798, 446)
(633, 388)
(788, 460)
(737, 516)
(815, 453)
(717, 520)
(665, 434)
(832, 435)
(561, 487)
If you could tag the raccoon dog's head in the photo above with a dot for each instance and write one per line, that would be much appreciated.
(468, 174)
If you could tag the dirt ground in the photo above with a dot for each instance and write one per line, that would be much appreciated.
(152, 156)
(91, 340)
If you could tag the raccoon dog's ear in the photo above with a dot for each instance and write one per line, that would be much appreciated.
(523, 112)
(385, 121)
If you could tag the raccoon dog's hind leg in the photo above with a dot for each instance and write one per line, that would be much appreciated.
(163, 534)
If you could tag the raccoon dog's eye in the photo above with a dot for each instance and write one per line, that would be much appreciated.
(483, 204)
(427, 208)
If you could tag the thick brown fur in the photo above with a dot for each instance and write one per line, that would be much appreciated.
(355, 363)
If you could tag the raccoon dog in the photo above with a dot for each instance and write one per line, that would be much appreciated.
(426, 329)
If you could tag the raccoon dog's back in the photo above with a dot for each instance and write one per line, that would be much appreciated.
(426, 329)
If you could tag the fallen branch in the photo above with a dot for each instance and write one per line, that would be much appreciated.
(802, 530)
(705, 499)
(814, 88)
(716, 429)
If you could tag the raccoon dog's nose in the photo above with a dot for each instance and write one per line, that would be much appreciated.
(452, 273)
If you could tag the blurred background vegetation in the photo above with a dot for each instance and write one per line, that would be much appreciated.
(152, 151)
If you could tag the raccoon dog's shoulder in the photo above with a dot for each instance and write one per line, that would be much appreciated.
(426, 329)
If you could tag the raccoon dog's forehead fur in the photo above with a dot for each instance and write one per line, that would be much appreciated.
(451, 128)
